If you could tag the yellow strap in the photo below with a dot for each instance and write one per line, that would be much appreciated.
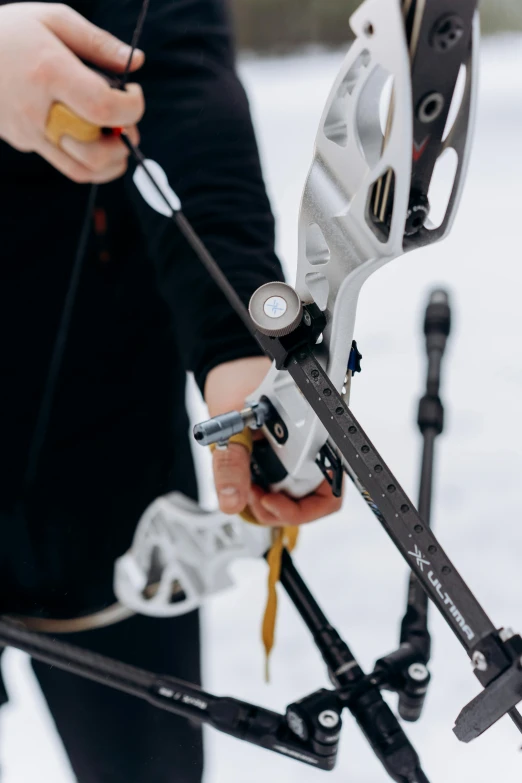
(64, 122)
(283, 538)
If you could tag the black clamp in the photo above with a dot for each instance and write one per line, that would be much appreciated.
(316, 720)
(405, 673)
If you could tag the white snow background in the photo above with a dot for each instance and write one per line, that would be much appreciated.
(348, 560)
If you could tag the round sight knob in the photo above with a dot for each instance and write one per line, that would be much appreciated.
(275, 309)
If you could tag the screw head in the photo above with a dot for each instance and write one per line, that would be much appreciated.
(328, 719)
(430, 108)
(479, 661)
(279, 431)
(447, 32)
(418, 672)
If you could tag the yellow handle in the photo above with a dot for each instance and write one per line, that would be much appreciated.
(64, 122)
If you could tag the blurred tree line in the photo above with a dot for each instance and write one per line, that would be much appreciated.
(282, 25)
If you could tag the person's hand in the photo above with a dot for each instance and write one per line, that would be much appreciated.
(226, 388)
(40, 49)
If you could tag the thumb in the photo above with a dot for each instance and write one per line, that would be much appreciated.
(90, 42)
(232, 477)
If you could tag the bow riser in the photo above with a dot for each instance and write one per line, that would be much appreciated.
(340, 242)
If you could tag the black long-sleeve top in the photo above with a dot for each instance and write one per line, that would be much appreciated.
(146, 310)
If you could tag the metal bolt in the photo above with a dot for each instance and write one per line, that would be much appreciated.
(339, 411)
(328, 719)
(327, 392)
(447, 32)
(430, 108)
(378, 468)
(352, 430)
(432, 549)
(446, 570)
(275, 307)
(365, 449)
(405, 508)
(315, 373)
(418, 528)
(307, 319)
(418, 672)
(479, 661)
(391, 488)
(279, 431)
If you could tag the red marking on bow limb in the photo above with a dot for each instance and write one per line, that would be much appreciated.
(420, 149)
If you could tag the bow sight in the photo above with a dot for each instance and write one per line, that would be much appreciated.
(366, 202)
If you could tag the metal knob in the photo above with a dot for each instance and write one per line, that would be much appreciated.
(276, 309)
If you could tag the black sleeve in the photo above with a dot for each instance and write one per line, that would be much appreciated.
(197, 125)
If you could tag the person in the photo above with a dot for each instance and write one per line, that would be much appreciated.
(146, 313)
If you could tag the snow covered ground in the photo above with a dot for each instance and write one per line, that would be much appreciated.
(348, 560)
